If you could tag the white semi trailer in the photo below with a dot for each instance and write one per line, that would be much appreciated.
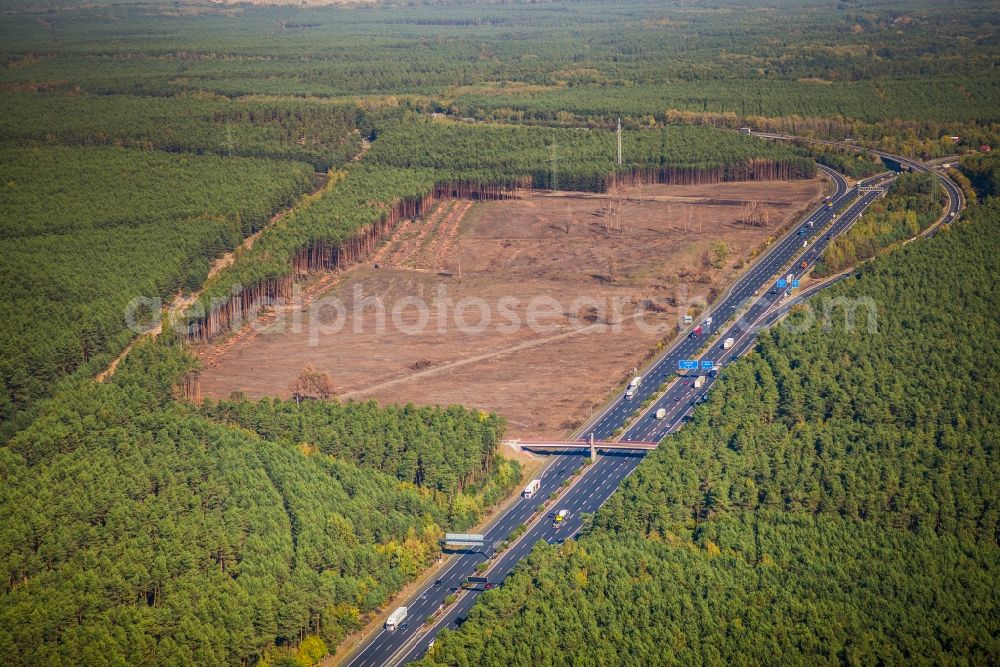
(395, 619)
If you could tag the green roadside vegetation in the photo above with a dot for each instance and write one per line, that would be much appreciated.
(855, 164)
(139, 529)
(912, 203)
(834, 501)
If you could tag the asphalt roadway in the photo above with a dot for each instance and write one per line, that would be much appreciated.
(751, 310)
(753, 302)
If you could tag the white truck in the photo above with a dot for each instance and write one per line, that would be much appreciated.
(395, 619)
(728, 343)
(531, 488)
(699, 382)
(561, 517)
(661, 413)
(632, 386)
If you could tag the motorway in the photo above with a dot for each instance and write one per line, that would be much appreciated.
(752, 292)
(750, 303)
(743, 304)
(586, 495)
(956, 200)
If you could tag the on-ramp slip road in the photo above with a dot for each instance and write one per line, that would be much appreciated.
(586, 493)
(956, 200)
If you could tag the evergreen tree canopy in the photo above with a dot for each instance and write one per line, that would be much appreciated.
(835, 501)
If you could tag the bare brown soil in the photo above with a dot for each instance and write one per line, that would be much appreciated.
(547, 258)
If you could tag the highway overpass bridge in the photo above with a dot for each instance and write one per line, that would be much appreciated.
(591, 489)
(593, 445)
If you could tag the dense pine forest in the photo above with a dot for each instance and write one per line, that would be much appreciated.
(87, 230)
(907, 73)
(141, 530)
(322, 134)
(835, 500)
(582, 159)
(983, 174)
(445, 450)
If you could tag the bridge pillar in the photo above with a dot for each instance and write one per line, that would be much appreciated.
(593, 449)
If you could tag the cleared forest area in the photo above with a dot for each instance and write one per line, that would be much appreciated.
(513, 253)
(412, 166)
(144, 151)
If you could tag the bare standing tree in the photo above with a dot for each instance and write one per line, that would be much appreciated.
(311, 384)
(755, 214)
(613, 214)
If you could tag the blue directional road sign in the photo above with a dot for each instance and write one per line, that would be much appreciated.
(688, 364)
(706, 365)
(795, 283)
(782, 284)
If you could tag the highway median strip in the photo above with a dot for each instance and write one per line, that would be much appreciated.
(651, 401)
(679, 338)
